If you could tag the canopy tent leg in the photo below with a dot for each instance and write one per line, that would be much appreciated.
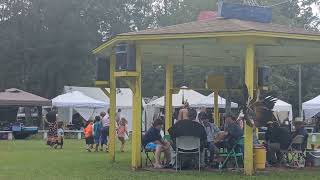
(216, 109)
(112, 112)
(137, 116)
(250, 73)
(168, 98)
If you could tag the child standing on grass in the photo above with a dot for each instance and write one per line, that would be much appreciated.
(122, 132)
(88, 134)
(97, 132)
(60, 135)
(51, 119)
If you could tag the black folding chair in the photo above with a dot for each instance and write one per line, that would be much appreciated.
(147, 153)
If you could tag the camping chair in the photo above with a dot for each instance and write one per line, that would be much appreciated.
(147, 153)
(294, 155)
(236, 152)
(187, 145)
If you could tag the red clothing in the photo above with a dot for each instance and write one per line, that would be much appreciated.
(88, 131)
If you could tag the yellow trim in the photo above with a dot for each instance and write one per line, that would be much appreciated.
(203, 89)
(101, 82)
(121, 38)
(168, 97)
(137, 110)
(126, 74)
(250, 73)
(112, 135)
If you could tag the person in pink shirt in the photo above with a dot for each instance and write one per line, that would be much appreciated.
(105, 129)
(122, 132)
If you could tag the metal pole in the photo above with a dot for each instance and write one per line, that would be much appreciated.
(300, 96)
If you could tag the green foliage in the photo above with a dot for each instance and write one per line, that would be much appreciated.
(47, 44)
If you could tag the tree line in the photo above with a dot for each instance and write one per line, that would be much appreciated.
(47, 44)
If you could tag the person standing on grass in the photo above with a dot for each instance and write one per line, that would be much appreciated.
(97, 132)
(88, 134)
(105, 129)
(122, 132)
(60, 135)
(51, 119)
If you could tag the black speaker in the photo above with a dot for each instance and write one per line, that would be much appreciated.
(125, 57)
(264, 76)
(103, 69)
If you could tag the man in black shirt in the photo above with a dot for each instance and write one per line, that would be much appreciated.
(153, 140)
(300, 130)
(278, 139)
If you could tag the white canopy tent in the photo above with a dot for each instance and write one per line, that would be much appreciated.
(208, 101)
(86, 106)
(188, 95)
(282, 110)
(153, 107)
(124, 100)
(311, 107)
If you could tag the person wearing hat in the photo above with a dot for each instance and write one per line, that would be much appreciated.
(268, 132)
(300, 130)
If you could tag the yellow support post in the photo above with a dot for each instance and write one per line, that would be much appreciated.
(168, 100)
(216, 109)
(137, 109)
(250, 73)
(112, 115)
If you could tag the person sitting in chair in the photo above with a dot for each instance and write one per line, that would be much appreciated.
(300, 130)
(212, 131)
(153, 140)
(188, 127)
(278, 138)
(232, 132)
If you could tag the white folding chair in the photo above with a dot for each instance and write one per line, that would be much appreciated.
(187, 145)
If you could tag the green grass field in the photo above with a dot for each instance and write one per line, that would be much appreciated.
(32, 160)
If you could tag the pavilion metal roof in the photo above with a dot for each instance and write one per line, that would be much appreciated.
(221, 25)
(221, 42)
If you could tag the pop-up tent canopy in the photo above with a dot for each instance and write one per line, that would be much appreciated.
(12, 99)
(311, 107)
(17, 97)
(86, 106)
(208, 101)
(153, 107)
(282, 110)
(124, 101)
(188, 95)
(77, 99)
